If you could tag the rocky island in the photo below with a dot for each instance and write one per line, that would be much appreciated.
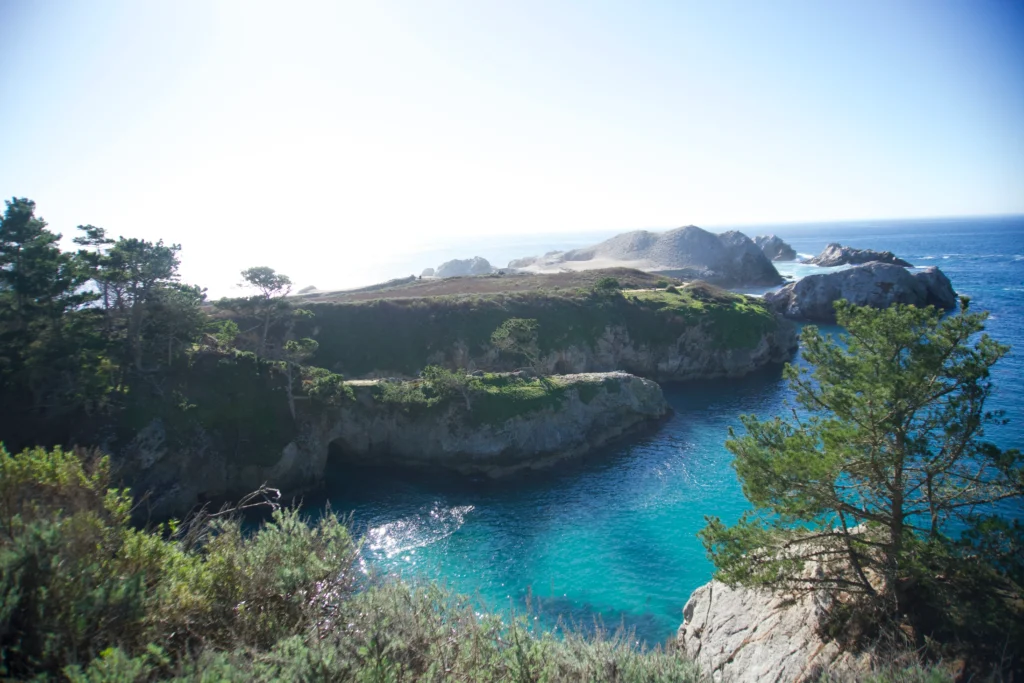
(836, 254)
(879, 285)
(775, 248)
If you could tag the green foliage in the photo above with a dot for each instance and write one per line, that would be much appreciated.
(607, 284)
(518, 336)
(891, 458)
(410, 334)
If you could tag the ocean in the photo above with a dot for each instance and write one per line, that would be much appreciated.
(611, 539)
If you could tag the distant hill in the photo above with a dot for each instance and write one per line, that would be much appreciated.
(730, 259)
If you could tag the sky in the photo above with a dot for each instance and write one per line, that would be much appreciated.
(331, 139)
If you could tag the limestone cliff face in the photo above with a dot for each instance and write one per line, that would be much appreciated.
(696, 354)
(743, 635)
(582, 413)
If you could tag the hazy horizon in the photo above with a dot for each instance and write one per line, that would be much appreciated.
(320, 137)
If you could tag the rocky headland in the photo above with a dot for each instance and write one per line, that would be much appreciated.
(693, 332)
(494, 425)
(730, 259)
(836, 254)
(775, 248)
(873, 284)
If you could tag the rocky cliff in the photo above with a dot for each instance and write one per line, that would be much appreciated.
(874, 284)
(695, 332)
(497, 425)
(836, 254)
(742, 635)
(774, 248)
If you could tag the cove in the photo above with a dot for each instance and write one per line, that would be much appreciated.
(610, 538)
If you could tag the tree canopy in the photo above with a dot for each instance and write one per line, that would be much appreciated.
(886, 467)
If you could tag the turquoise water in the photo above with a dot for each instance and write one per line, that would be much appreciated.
(612, 537)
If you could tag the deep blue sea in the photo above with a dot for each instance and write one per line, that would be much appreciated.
(614, 536)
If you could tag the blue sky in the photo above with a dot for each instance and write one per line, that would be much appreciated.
(320, 138)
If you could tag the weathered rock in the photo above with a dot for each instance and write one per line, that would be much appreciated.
(589, 411)
(836, 254)
(879, 285)
(463, 267)
(775, 248)
(742, 635)
(427, 272)
(729, 259)
(696, 354)
(594, 409)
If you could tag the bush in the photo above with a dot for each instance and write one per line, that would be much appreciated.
(607, 284)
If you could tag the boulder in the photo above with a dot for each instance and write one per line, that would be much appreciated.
(774, 248)
(743, 635)
(873, 284)
(427, 272)
(836, 254)
(463, 267)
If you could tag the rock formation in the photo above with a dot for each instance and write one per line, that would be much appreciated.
(595, 409)
(742, 635)
(730, 259)
(873, 284)
(463, 267)
(836, 254)
(774, 248)
(427, 272)
(184, 469)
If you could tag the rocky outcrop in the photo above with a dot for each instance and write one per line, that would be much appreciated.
(879, 285)
(217, 458)
(427, 272)
(464, 267)
(742, 635)
(730, 259)
(590, 410)
(836, 254)
(774, 248)
(696, 354)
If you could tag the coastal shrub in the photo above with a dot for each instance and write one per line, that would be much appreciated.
(607, 284)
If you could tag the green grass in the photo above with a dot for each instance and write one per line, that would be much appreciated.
(493, 399)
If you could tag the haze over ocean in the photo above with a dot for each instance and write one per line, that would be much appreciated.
(613, 536)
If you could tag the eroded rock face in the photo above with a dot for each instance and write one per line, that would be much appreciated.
(879, 285)
(595, 409)
(592, 410)
(836, 254)
(741, 635)
(464, 267)
(775, 248)
(696, 354)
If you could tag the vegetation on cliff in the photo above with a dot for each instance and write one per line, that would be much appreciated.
(410, 334)
(889, 487)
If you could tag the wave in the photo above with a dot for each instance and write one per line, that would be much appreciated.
(416, 531)
(805, 256)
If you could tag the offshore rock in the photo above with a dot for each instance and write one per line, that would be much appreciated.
(742, 635)
(836, 254)
(775, 248)
(879, 285)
